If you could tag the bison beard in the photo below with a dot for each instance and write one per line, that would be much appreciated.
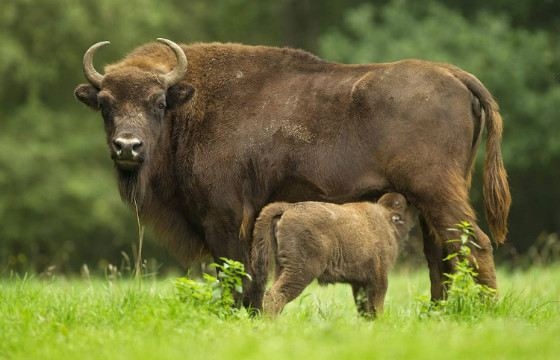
(133, 186)
(128, 182)
(268, 124)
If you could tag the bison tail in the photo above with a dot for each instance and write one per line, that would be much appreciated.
(497, 198)
(264, 239)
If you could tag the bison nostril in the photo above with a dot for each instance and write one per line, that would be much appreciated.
(136, 145)
(118, 145)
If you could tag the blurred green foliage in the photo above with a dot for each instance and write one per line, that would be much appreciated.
(59, 204)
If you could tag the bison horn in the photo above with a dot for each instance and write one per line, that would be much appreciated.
(178, 73)
(91, 74)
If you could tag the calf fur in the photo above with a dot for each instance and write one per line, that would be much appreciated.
(355, 243)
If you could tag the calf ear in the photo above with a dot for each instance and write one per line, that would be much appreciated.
(393, 201)
(178, 95)
(87, 94)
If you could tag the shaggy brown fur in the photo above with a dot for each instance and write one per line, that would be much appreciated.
(250, 125)
(354, 243)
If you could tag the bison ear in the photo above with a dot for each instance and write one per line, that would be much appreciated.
(178, 95)
(87, 94)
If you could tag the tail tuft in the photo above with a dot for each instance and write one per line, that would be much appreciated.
(497, 197)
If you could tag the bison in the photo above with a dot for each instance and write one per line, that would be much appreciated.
(355, 243)
(204, 135)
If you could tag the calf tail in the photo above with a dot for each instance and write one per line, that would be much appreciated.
(264, 240)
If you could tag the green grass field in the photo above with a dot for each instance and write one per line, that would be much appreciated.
(79, 319)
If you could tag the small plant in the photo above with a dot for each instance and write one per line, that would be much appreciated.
(215, 293)
(465, 297)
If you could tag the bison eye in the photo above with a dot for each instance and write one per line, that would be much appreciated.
(105, 106)
(105, 110)
(161, 105)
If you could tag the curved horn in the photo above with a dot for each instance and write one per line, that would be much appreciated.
(178, 73)
(91, 74)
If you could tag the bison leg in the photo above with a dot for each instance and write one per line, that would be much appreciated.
(434, 255)
(223, 241)
(360, 298)
(252, 295)
(253, 291)
(484, 259)
(443, 205)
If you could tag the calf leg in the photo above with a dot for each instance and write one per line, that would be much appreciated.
(376, 292)
(287, 287)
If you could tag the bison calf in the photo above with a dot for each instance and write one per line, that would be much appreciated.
(354, 243)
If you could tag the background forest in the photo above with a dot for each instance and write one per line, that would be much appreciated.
(59, 205)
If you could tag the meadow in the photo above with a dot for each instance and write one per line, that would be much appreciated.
(60, 208)
(62, 318)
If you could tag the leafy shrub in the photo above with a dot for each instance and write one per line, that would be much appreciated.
(215, 293)
(465, 297)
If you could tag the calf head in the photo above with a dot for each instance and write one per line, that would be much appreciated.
(400, 213)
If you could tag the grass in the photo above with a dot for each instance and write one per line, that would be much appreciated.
(98, 319)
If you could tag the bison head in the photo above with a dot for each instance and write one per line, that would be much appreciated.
(133, 101)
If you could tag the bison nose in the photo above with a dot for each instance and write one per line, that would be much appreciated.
(127, 148)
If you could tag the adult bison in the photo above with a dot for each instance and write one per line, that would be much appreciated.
(201, 149)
